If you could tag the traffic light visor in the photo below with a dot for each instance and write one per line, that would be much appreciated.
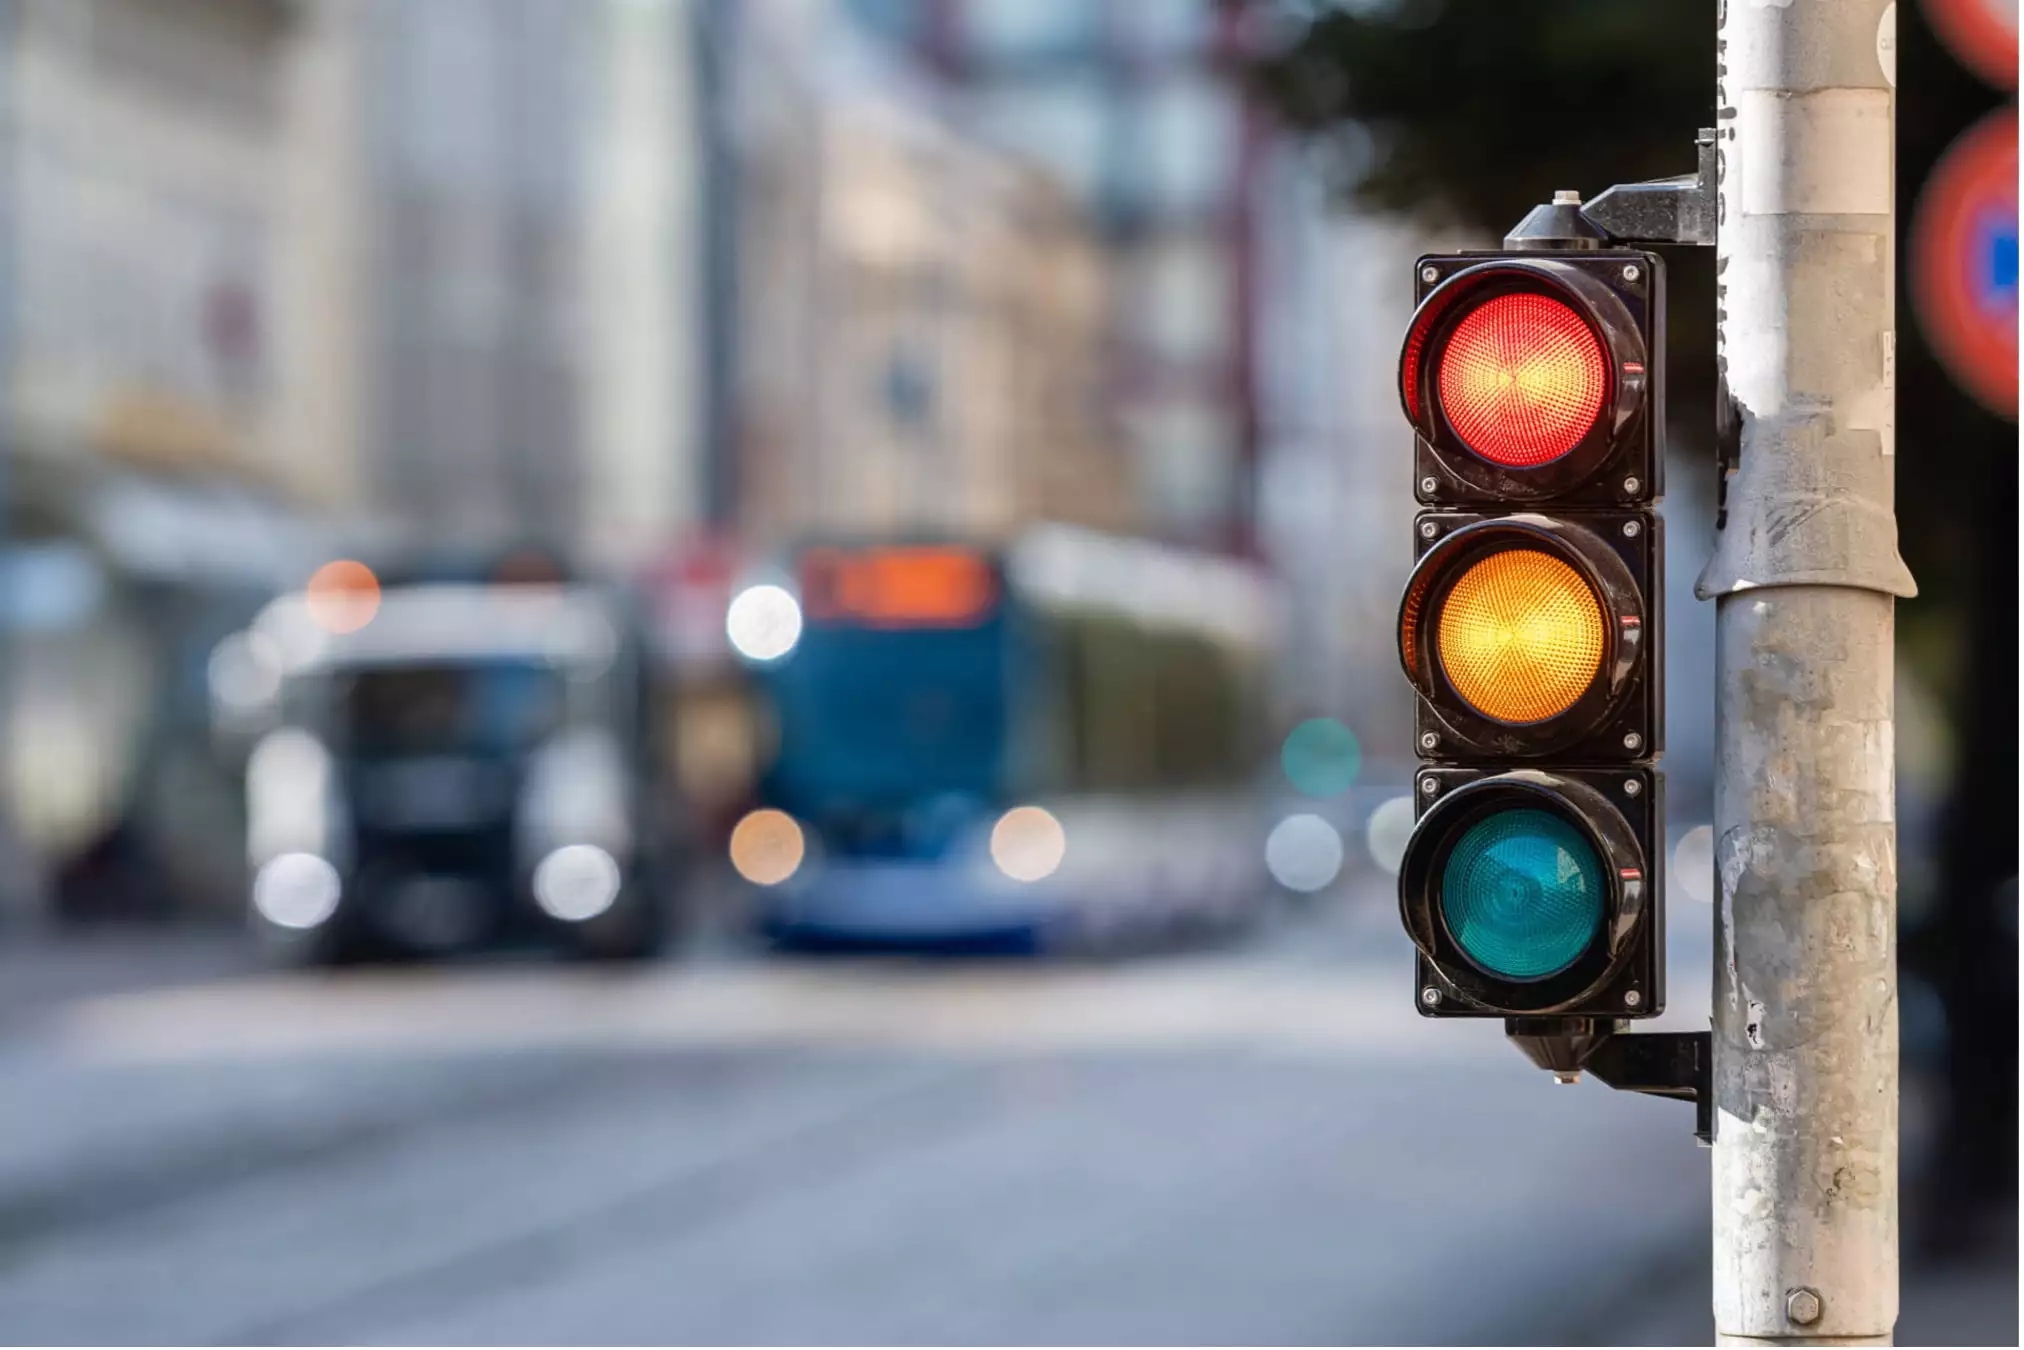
(1522, 894)
(1522, 378)
(1520, 635)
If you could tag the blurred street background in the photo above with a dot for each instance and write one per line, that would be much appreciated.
(724, 671)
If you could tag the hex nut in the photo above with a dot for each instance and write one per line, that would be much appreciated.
(1802, 1306)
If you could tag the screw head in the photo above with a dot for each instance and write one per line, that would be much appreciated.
(1429, 274)
(1429, 483)
(1631, 272)
(1430, 996)
(1430, 786)
(1631, 740)
(1428, 740)
(1632, 484)
(1428, 529)
(1632, 998)
(1631, 529)
(1802, 1306)
(1631, 787)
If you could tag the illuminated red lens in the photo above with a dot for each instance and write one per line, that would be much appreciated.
(1522, 379)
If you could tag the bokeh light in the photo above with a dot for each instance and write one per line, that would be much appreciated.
(1694, 864)
(1321, 757)
(767, 847)
(763, 622)
(1390, 826)
(577, 882)
(297, 890)
(1028, 843)
(1303, 853)
(342, 596)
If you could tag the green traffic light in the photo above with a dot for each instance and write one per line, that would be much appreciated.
(1522, 894)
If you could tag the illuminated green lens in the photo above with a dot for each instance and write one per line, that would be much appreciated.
(1522, 894)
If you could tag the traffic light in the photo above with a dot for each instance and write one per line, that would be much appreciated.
(1530, 630)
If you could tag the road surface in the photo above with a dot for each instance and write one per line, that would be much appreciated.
(1257, 1145)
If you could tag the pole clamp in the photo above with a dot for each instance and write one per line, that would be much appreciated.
(1676, 1064)
(1679, 210)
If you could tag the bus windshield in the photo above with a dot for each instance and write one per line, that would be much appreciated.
(885, 717)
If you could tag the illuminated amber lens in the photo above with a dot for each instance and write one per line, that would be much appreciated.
(1520, 636)
(1522, 379)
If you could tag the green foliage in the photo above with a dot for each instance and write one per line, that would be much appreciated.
(1473, 111)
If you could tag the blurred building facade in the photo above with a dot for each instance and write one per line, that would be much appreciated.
(145, 501)
(506, 334)
(923, 318)
(1135, 108)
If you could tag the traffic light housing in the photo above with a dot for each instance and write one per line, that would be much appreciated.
(1531, 630)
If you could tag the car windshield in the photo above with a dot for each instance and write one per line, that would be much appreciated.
(490, 707)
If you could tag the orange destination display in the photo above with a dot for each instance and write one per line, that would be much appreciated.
(899, 587)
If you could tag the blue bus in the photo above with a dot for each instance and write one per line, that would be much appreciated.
(1047, 745)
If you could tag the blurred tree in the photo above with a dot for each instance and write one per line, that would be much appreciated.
(1470, 112)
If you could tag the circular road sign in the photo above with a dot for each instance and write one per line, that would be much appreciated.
(1964, 261)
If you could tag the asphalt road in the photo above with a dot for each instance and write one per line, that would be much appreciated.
(1257, 1145)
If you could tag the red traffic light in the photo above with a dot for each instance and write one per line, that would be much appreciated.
(1529, 378)
(1522, 379)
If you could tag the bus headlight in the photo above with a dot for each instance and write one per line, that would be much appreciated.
(296, 890)
(576, 882)
(1028, 843)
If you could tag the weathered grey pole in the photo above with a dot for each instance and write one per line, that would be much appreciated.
(1804, 574)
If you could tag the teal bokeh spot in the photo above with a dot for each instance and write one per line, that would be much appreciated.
(1321, 757)
(1522, 894)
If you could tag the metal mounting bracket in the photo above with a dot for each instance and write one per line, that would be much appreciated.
(1678, 210)
(1677, 1064)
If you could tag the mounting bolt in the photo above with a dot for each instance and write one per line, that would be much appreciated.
(1632, 484)
(1430, 274)
(1565, 1078)
(1429, 483)
(1567, 197)
(1631, 787)
(1430, 786)
(1630, 529)
(1632, 998)
(1428, 529)
(1631, 272)
(1430, 996)
(1428, 740)
(1631, 740)
(1802, 1306)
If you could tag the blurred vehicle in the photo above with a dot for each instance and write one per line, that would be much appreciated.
(1051, 745)
(452, 766)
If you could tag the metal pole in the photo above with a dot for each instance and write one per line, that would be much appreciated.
(1804, 574)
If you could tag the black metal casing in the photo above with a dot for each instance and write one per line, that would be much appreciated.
(1627, 701)
(1630, 312)
(1623, 975)
(1591, 765)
